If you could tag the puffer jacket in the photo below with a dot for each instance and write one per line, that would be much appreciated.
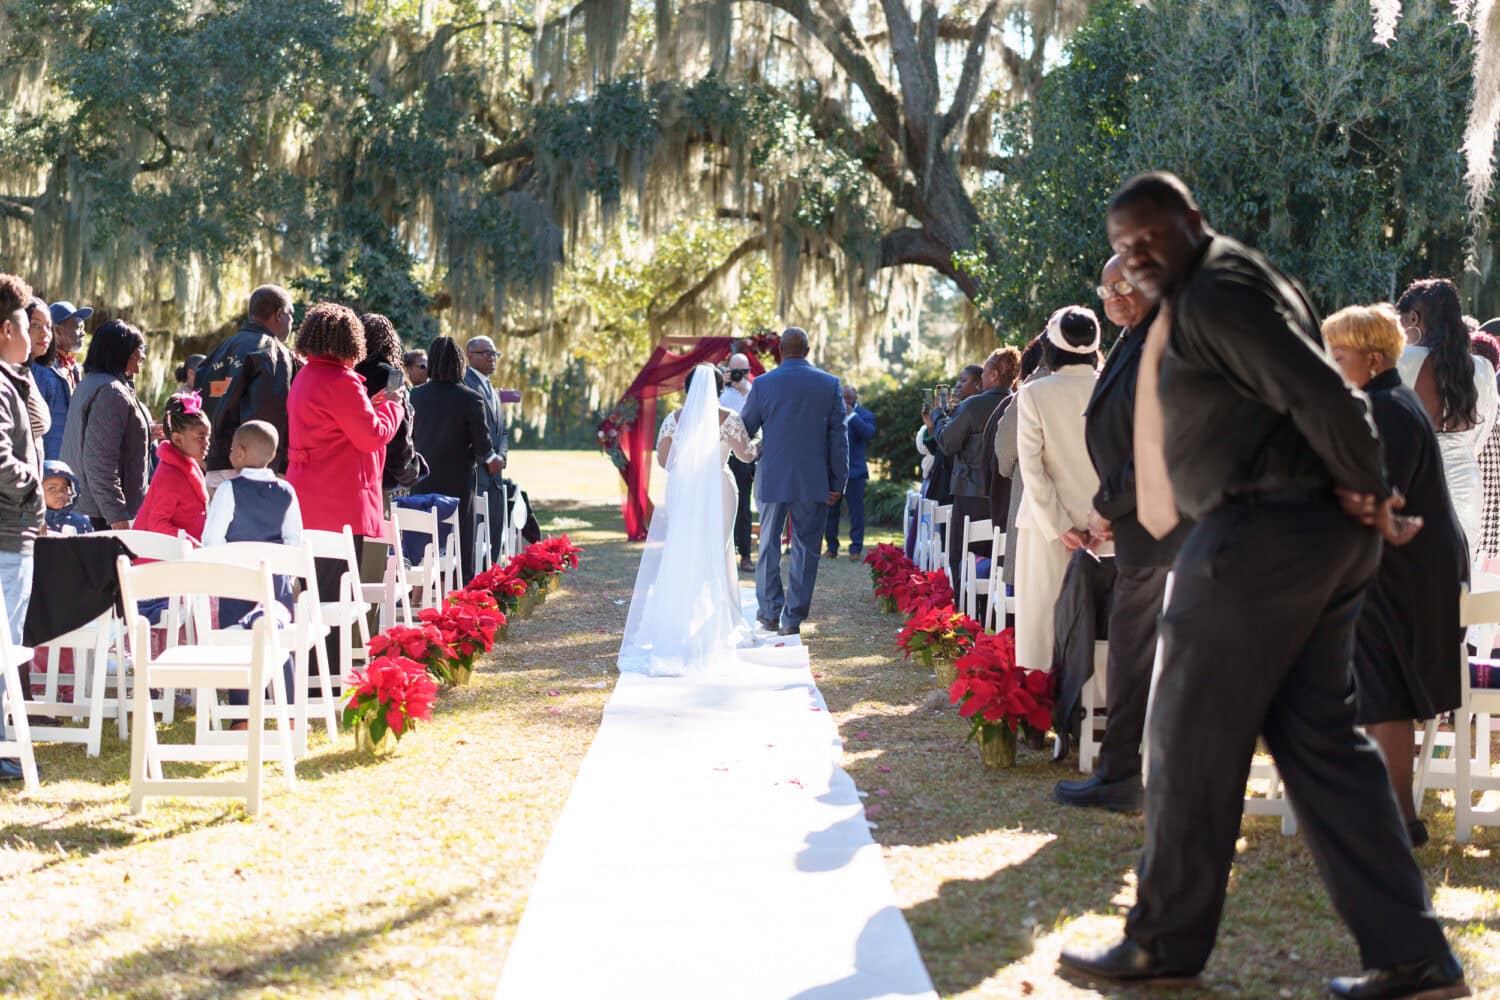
(107, 445)
(20, 484)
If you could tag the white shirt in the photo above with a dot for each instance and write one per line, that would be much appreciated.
(221, 511)
(733, 399)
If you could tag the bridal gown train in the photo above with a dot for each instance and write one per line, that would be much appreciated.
(685, 615)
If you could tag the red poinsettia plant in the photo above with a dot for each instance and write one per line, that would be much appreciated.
(468, 621)
(887, 560)
(503, 583)
(993, 692)
(564, 550)
(923, 591)
(934, 632)
(422, 643)
(389, 695)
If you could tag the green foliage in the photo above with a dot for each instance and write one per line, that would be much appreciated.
(898, 414)
(1337, 157)
(885, 502)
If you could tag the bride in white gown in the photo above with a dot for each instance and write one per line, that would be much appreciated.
(685, 615)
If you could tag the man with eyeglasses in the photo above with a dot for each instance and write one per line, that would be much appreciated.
(1141, 561)
(481, 355)
(736, 388)
(249, 377)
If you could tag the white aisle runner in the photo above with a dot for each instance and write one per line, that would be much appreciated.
(711, 848)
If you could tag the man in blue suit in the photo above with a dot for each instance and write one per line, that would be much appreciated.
(861, 424)
(480, 352)
(804, 466)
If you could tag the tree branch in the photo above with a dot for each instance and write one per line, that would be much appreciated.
(968, 80)
(916, 246)
(510, 152)
(16, 207)
(918, 91)
(687, 298)
(834, 29)
(169, 152)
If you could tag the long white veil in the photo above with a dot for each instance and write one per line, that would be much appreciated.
(685, 613)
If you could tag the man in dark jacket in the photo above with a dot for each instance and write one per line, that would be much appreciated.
(961, 435)
(20, 486)
(1251, 431)
(481, 354)
(248, 377)
(861, 425)
(1141, 561)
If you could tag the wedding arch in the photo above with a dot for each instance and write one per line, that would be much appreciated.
(628, 433)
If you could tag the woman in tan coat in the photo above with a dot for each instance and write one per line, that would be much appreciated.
(1060, 479)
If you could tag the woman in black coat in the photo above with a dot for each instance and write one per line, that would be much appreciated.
(1408, 647)
(450, 433)
(403, 463)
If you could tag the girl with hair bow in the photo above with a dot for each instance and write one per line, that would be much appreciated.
(178, 496)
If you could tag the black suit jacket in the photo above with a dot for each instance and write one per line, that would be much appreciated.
(1109, 432)
(450, 433)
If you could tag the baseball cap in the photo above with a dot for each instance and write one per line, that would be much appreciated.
(64, 311)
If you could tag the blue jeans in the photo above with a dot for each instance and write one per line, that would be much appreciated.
(854, 497)
(789, 607)
(15, 583)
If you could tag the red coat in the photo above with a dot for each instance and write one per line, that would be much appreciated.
(177, 498)
(337, 447)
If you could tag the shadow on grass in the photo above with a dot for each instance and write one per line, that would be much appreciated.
(228, 967)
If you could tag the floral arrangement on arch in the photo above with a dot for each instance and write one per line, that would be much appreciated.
(764, 342)
(624, 415)
(938, 632)
(993, 693)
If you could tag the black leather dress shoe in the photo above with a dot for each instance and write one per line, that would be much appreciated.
(1417, 831)
(1125, 962)
(1095, 792)
(789, 630)
(769, 624)
(1434, 979)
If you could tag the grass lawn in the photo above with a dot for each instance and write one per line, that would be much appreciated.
(406, 877)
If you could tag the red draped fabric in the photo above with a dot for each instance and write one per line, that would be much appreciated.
(665, 372)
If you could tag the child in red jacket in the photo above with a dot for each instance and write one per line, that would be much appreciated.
(177, 499)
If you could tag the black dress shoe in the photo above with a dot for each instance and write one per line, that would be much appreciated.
(1095, 792)
(1125, 962)
(789, 630)
(769, 624)
(1062, 745)
(1435, 979)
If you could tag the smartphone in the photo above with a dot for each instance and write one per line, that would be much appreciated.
(395, 378)
(943, 397)
(927, 399)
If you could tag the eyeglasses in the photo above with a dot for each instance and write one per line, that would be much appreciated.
(1119, 289)
(742, 371)
(483, 354)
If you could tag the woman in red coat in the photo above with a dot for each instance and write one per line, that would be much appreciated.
(338, 434)
(177, 499)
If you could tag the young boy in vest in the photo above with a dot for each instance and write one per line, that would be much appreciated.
(254, 506)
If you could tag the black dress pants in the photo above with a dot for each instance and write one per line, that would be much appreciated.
(330, 574)
(1258, 639)
(744, 477)
(1135, 609)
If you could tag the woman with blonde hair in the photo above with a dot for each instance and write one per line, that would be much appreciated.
(1408, 646)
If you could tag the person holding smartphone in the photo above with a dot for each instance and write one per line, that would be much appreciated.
(383, 370)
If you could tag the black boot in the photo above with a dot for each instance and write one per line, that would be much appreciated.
(1435, 979)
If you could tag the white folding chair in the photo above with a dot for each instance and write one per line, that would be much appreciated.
(303, 639)
(970, 586)
(450, 562)
(16, 743)
(427, 574)
(209, 665)
(922, 547)
(514, 516)
(1093, 698)
(1273, 800)
(394, 589)
(481, 507)
(997, 604)
(938, 544)
(1469, 769)
(348, 616)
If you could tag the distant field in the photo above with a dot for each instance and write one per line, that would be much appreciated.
(586, 477)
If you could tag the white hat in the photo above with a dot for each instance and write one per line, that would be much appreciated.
(1055, 334)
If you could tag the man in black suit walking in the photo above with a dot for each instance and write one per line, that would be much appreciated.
(1141, 561)
(1243, 423)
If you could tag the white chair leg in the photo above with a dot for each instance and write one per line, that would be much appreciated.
(1424, 754)
(255, 751)
(140, 761)
(1463, 805)
(95, 677)
(284, 742)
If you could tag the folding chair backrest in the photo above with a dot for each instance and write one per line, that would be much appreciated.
(283, 560)
(151, 544)
(334, 545)
(193, 579)
(421, 522)
(976, 529)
